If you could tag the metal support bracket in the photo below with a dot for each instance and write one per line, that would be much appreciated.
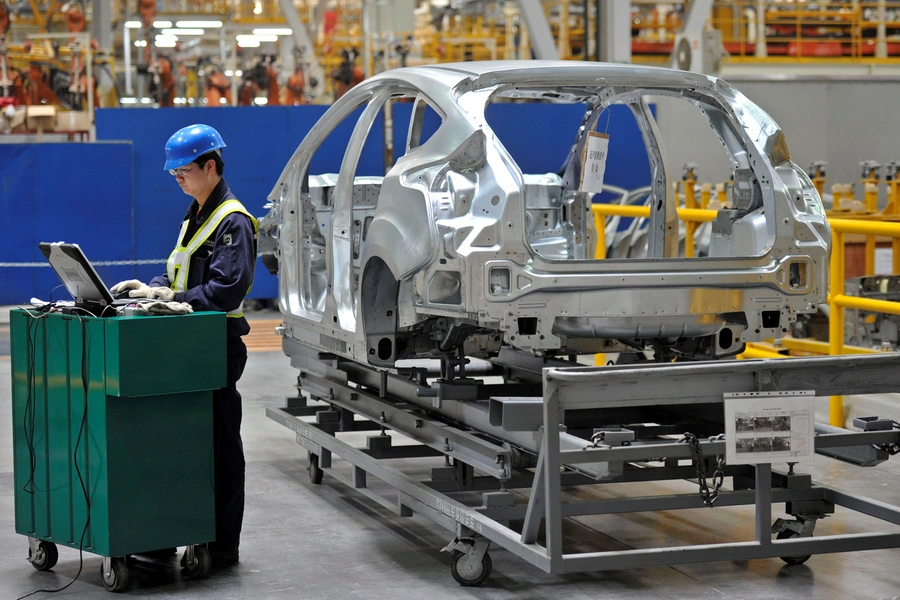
(34, 548)
(473, 548)
(190, 557)
(802, 526)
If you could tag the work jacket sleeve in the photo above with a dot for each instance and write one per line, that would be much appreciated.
(229, 274)
(160, 281)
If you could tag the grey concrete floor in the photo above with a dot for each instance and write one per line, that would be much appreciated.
(328, 542)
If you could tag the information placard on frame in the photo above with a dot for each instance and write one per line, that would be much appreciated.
(769, 427)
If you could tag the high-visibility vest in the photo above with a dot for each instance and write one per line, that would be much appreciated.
(179, 264)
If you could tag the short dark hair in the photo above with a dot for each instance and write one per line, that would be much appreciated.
(215, 156)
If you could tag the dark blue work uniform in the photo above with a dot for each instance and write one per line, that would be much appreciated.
(220, 275)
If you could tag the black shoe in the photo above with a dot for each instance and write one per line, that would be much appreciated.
(222, 559)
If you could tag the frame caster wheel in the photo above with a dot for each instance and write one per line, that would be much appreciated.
(787, 534)
(315, 472)
(42, 555)
(114, 573)
(467, 574)
(197, 563)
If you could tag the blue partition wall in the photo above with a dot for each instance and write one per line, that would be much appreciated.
(62, 192)
(113, 197)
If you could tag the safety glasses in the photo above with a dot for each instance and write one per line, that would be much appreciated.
(182, 171)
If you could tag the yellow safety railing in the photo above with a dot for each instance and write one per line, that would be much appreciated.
(837, 301)
(696, 215)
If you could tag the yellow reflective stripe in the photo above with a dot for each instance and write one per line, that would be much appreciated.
(177, 256)
(179, 263)
(222, 211)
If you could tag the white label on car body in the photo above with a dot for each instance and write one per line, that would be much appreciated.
(594, 162)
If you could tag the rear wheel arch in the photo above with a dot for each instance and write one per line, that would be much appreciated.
(378, 299)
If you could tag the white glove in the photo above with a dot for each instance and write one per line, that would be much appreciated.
(160, 308)
(162, 293)
(138, 289)
(167, 308)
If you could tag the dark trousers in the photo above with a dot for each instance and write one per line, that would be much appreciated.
(229, 453)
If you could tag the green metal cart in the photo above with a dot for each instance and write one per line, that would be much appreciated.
(113, 435)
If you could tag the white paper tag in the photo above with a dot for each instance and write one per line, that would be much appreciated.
(594, 162)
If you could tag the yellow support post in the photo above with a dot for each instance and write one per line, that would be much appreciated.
(836, 320)
(837, 192)
(870, 176)
(817, 174)
(891, 171)
(871, 196)
(600, 226)
(705, 195)
(690, 201)
(892, 210)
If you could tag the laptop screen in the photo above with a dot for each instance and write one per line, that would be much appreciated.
(76, 273)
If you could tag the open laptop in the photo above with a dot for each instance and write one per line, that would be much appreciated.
(81, 279)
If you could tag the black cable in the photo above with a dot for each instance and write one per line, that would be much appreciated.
(84, 489)
(53, 290)
(31, 338)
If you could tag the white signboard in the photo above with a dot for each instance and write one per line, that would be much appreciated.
(884, 261)
(593, 162)
(769, 427)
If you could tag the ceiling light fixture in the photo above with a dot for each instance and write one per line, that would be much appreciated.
(204, 24)
(181, 31)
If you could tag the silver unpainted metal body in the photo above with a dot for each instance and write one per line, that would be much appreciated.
(456, 250)
(455, 253)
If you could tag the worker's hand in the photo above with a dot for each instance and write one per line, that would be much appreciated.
(162, 293)
(138, 289)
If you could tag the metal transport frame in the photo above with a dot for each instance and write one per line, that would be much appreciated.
(481, 430)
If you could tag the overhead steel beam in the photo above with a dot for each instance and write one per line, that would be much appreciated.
(101, 30)
(542, 43)
(614, 31)
(302, 41)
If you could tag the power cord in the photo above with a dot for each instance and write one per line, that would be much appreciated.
(81, 431)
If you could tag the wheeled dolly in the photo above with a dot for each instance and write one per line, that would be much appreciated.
(482, 433)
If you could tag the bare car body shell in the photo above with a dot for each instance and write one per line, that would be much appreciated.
(455, 251)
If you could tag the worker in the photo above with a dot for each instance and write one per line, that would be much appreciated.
(212, 268)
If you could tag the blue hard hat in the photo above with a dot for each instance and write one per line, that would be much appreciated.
(190, 143)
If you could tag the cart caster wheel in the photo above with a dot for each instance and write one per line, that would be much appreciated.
(199, 567)
(787, 534)
(315, 473)
(45, 558)
(117, 578)
(469, 575)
